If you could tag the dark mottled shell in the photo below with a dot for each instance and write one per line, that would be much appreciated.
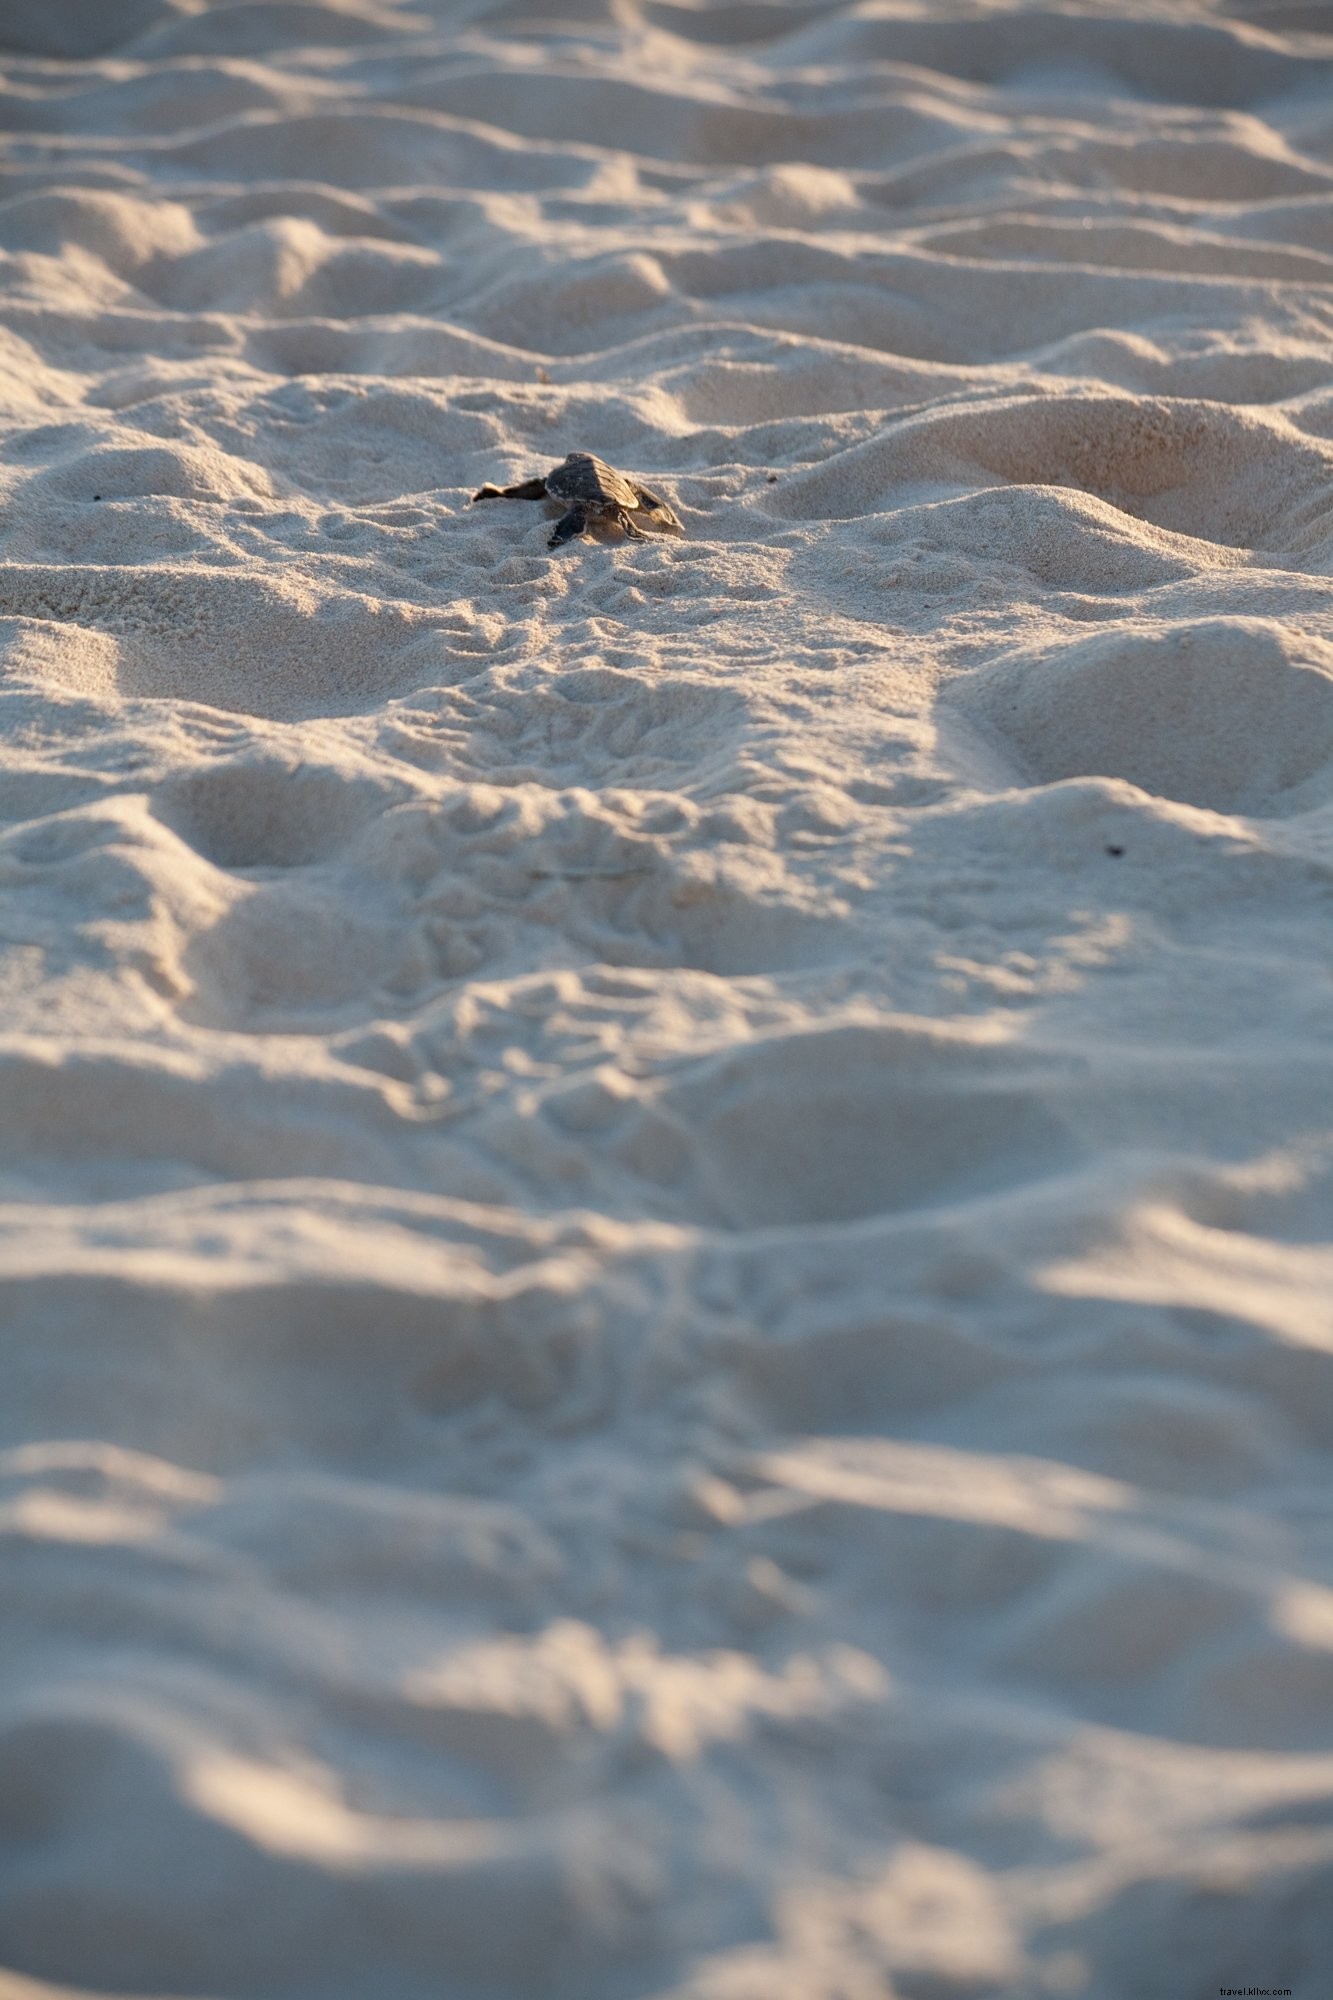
(592, 480)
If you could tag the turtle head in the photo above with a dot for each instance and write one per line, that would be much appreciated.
(660, 516)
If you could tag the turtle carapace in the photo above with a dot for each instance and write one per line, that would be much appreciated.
(594, 492)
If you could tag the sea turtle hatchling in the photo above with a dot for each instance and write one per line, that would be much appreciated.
(595, 492)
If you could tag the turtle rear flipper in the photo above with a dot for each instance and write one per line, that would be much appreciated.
(531, 489)
(568, 526)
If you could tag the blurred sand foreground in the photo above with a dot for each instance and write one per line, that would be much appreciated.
(664, 1210)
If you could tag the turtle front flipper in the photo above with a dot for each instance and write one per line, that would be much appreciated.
(568, 526)
(625, 521)
(531, 489)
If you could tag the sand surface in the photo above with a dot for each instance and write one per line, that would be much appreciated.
(664, 1210)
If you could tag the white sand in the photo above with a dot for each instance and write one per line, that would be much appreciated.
(667, 1303)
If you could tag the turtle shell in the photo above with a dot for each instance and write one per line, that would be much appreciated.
(583, 477)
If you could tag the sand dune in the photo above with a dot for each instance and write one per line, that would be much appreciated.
(664, 1208)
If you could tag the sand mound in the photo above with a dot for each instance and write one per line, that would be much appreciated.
(1232, 714)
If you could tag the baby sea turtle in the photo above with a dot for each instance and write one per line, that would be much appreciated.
(595, 492)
